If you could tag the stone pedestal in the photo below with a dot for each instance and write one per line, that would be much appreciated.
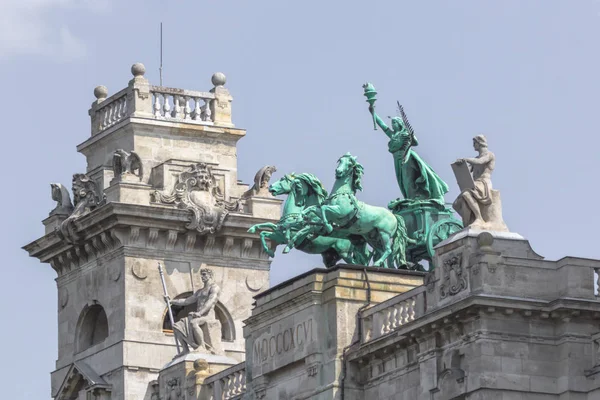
(265, 207)
(53, 222)
(130, 191)
(183, 377)
(300, 329)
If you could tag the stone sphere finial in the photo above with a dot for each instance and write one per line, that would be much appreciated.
(218, 79)
(100, 92)
(485, 240)
(138, 69)
(201, 365)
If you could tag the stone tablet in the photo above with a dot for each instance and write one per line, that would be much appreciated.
(463, 176)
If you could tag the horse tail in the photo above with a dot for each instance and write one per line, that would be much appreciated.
(399, 244)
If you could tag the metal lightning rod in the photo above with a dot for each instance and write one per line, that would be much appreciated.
(161, 55)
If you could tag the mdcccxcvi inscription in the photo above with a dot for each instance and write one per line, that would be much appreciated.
(288, 340)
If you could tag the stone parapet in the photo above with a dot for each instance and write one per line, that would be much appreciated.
(494, 320)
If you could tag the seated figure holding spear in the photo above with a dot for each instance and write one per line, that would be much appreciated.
(189, 330)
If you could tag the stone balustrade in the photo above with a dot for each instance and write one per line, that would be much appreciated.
(389, 315)
(142, 100)
(112, 110)
(177, 104)
(228, 384)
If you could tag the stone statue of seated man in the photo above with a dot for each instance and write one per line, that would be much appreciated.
(478, 204)
(200, 330)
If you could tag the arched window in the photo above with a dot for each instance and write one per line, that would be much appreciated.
(221, 313)
(92, 327)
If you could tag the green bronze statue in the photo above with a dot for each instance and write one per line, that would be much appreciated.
(342, 215)
(428, 219)
(416, 179)
(306, 190)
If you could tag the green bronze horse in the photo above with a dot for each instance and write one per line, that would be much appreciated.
(342, 215)
(305, 190)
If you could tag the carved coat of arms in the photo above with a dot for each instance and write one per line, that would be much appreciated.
(195, 190)
(454, 279)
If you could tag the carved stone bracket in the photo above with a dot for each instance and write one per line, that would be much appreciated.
(454, 278)
(84, 252)
(196, 191)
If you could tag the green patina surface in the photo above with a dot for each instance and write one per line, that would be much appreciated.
(339, 226)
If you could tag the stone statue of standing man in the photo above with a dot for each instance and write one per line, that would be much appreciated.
(192, 330)
(478, 204)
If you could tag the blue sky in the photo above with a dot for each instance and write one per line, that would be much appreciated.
(523, 73)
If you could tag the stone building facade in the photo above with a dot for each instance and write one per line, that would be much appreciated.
(493, 321)
(161, 185)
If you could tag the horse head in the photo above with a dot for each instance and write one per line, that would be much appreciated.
(348, 166)
(308, 190)
(282, 185)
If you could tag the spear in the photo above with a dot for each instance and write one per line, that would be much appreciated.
(168, 300)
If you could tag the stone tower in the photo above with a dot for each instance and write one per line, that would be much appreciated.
(161, 186)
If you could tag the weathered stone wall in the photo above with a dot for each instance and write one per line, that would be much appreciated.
(497, 322)
(300, 330)
(107, 253)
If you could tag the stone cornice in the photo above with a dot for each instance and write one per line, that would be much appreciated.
(173, 128)
(154, 228)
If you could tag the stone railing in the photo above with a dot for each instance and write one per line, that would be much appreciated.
(178, 104)
(111, 110)
(393, 313)
(228, 384)
(142, 100)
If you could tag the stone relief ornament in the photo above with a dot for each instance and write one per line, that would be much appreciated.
(174, 391)
(195, 190)
(454, 280)
(261, 183)
(61, 195)
(127, 165)
(86, 197)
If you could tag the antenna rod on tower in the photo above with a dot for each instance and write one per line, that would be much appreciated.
(160, 69)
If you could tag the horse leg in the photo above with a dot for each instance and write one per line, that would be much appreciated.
(273, 236)
(260, 227)
(386, 243)
(298, 238)
(344, 249)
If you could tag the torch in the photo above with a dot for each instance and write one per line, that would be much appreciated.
(370, 94)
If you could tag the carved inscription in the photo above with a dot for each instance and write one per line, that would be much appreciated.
(286, 341)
